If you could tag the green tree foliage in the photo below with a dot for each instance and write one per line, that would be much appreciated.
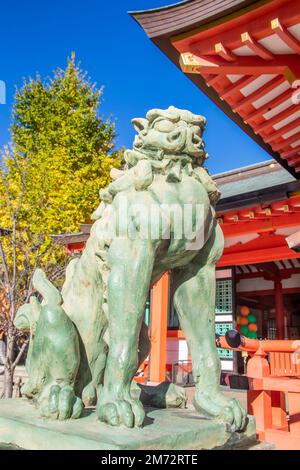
(61, 156)
(56, 124)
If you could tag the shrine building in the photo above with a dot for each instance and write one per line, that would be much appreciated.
(244, 55)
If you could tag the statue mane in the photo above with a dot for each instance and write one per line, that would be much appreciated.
(168, 142)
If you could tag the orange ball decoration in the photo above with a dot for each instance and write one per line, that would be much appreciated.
(252, 327)
(244, 321)
(238, 320)
(245, 311)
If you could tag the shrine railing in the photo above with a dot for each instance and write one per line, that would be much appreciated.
(273, 372)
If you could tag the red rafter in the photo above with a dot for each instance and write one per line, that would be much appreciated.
(262, 91)
(283, 130)
(270, 105)
(257, 48)
(286, 272)
(286, 143)
(285, 35)
(287, 154)
(225, 53)
(294, 162)
(256, 225)
(237, 86)
(256, 256)
(244, 65)
(213, 80)
(290, 153)
(256, 24)
(278, 118)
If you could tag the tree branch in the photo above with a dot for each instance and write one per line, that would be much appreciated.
(3, 359)
(15, 363)
(4, 266)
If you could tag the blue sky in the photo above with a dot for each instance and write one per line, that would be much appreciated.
(38, 36)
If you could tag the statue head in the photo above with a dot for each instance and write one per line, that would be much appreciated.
(170, 133)
(168, 142)
(28, 315)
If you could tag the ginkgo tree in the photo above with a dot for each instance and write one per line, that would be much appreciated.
(61, 155)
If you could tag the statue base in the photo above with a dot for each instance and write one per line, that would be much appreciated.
(167, 429)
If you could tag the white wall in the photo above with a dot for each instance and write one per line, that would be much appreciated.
(258, 283)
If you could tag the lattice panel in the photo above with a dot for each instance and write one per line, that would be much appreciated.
(221, 329)
(224, 296)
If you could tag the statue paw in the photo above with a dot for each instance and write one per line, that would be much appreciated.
(61, 403)
(89, 395)
(28, 390)
(225, 409)
(117, 412)
(175, 397)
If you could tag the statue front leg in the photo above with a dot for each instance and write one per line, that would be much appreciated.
(131, 263)
(195, 304)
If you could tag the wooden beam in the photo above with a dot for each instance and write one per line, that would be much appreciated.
(158, 329)
(190, 62)
(290, 153)
(276, 119)
(285, 273)
(269, 267)
(265, 292)
(294, 161)
(225, 53)
(258, 24)
(231, 229)
(257, 48)
(286, 143)
(237, 86)
(262, 91)
(270, 105)
(279, 309)
(257, 256)
(285, 35)
(213, 80)
(283, 130)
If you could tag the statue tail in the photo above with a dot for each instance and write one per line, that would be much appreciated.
(50, 294)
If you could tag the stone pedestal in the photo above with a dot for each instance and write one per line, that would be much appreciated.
(172, 429)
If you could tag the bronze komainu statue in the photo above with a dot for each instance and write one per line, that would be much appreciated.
(156, 216)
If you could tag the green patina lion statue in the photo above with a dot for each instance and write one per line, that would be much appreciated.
(156, 216)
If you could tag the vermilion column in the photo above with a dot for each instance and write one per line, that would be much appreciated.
(279, 309)
(158, 329)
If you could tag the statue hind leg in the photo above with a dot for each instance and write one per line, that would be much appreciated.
(194, 300)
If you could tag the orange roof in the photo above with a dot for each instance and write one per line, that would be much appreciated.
(245, 57)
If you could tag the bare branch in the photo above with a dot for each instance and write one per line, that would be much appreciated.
(3, 359)
(20, 354)
(14, 275)
(4, 265)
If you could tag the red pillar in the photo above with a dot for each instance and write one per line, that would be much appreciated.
(158, 329)
(279, 309)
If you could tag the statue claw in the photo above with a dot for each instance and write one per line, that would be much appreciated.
(61, 404)
(116, 412)
(222, 408)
